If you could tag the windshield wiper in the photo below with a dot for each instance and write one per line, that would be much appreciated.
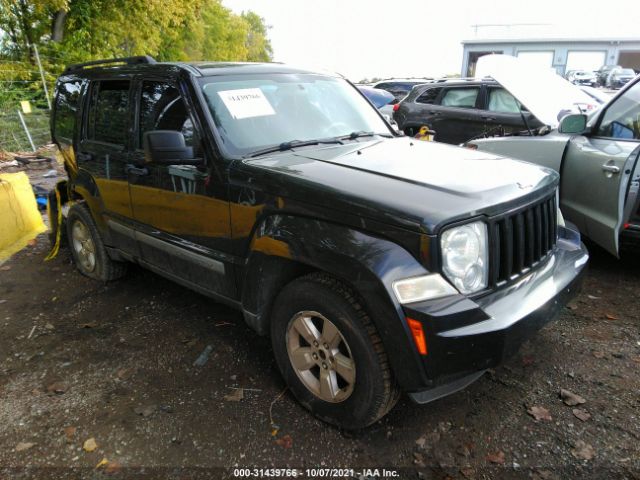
(362, 133)
(293, 144)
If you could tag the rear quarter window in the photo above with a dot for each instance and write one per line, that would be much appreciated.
(429, 96)
(66, 110)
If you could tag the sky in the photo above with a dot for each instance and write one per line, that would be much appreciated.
(417, 38)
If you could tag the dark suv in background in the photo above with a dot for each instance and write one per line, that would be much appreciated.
(399, 88)
(377, 264)
(459, 111)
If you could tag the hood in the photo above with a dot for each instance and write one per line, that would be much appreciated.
(545, 94)
(401, 181)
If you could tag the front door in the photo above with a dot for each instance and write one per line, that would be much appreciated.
(181, 212)
(597, 169)
(503, 114)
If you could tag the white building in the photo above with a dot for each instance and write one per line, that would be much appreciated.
(562, 54)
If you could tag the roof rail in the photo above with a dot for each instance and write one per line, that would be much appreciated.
(142, 59)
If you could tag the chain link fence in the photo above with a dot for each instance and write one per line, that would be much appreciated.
(14, 136)
(25, 84)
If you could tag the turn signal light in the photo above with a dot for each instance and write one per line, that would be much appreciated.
(418, 335)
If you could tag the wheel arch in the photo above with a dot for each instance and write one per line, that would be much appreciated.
(285, 247)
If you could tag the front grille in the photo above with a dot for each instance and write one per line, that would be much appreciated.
(521, 240)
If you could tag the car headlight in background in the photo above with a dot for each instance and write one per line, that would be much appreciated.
(465, 256)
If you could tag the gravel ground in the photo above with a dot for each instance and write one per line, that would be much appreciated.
(81, 360)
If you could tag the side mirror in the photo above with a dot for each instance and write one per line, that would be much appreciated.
(573, 123)
(166, 147)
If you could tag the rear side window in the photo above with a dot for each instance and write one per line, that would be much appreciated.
(109, 112)
(66, 109)
(460, 97)
(162, 108)
(429, 96)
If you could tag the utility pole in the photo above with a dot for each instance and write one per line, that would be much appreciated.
(44, 83)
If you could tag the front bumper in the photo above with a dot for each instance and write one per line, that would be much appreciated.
(466, 337)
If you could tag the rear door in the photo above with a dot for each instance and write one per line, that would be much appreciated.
(103, 153)
(457, 118)
(597, 169)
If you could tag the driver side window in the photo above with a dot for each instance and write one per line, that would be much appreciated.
(622, 118)
(162, 108)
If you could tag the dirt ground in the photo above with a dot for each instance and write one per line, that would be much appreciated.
(82, 360)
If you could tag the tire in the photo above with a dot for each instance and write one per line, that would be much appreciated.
(87, 249)
(357, 399)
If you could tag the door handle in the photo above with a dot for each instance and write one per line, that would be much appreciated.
(84, 157)
(137, 171)
(488, 119)
(434, 112)
(610, 169)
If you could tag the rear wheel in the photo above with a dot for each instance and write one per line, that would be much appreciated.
(330, 353)
(87, 249)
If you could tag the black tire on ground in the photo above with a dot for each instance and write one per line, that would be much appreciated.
(374, 390)
(104, 268)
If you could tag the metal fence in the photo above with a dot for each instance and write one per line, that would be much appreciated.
(26, 133)
(24, 79)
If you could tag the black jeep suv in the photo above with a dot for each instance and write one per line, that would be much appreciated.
(462, 110)
(377, 264)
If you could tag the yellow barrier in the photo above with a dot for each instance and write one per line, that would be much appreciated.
(20, 220)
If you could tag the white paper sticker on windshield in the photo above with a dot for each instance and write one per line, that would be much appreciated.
(246, 103)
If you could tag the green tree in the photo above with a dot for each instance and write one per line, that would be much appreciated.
(257, 43)
(74, 30)
(70, 31)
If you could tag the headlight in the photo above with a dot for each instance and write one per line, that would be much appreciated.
(426, 287)
(465, 256)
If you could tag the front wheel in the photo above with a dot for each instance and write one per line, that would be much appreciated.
(330, 353)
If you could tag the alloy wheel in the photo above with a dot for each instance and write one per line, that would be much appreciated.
(320, 356)
(83, 246)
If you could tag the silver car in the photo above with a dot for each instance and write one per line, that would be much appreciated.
(597, 157)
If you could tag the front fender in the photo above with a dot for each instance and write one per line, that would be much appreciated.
(284, 247)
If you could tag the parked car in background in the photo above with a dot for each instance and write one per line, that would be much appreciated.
(377, 264)
(400, 87)
(582, 77)
(464, 109)
(599, 96)
(603, 73)
(381, 99)
(619, 77)
(460, 110)
(597, 155)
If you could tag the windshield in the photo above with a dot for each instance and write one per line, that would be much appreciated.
(626, 71)
(254, 112)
